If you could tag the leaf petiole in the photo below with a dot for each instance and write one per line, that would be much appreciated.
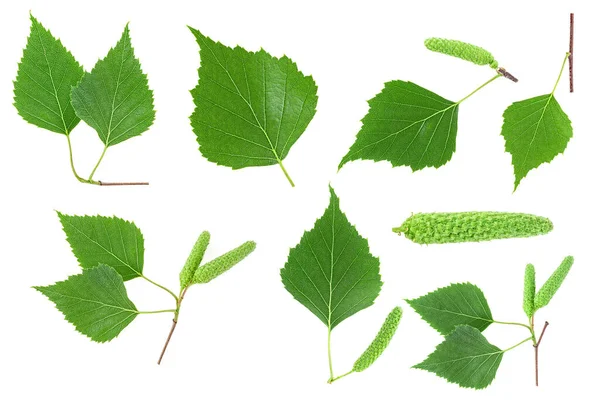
(79, 178)
(479, 88)
(331, 380)
(562, 68)
(517, 345)
(285, 171)
(159, 311)
(98, 163)
(162, 287)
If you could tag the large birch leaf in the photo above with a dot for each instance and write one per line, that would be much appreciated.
(114, 98)
(46, 74)
(95, 302)
(407, 125)
(250, 107)
(331, 271)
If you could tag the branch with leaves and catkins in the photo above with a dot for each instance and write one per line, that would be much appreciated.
(110, 251)
(53, 92)
(408, 125)
(460, 312)
(333, 274)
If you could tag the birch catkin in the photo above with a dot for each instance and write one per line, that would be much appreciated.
(462, 50)
(380, 342)
(548, 289)
(441, 228)
(529, 291)
(194, 259)
(223, 263)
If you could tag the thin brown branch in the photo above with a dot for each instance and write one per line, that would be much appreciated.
(168, 340)
(572, 24)
(507, 74)
(536, 347)
(542, 335)
(134, 183)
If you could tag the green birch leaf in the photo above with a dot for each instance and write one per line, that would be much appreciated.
(42, 90)
(95, 302)
(407, 125)
(114, 98)
(536, 130)
(465, 358)
(250, 107)
(105, 240)
(455, 305)
(331, 271)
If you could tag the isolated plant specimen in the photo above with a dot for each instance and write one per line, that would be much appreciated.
(53, 92)
(536, 130)
(250, 107)
(460, 312)
(408, 125)
(332, 273)
(110, 251)
(443, 228)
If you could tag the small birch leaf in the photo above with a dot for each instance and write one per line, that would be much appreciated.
(331, 271)
(465, 358)
(536, 130)
(407, 125)
(250, 107)
(105, 240)
(46, 74)
(114, 98)
(454, 305)
(95, 302)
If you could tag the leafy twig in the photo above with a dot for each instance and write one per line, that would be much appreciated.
(572, 25)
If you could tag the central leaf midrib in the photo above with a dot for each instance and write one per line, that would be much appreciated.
(112, 109)
(486, 319)
(92, 301)
(331, 266)
(537, 127)
(52, 80)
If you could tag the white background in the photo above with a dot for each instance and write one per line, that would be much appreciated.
(243, 340)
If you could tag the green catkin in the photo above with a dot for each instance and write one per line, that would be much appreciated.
(223, 263)
(442, 228)
(194, 259)
(380, 342)
(529, 291)
(462, 50)
(548, 289)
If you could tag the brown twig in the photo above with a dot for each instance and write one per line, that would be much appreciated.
(134, 183)
(572, 24)
(168, 340)
(173, 326)
(536, 346)
(507, 74)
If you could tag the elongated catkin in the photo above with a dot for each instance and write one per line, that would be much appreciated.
(194, 259)
(462, 50)
(381, 341)
(529, 290)
(441, 228)
(551, 286)
(223, 263)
